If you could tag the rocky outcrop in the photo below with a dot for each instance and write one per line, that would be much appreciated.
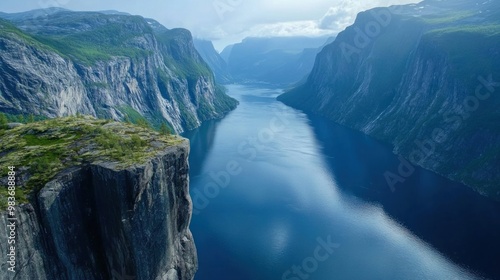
(422, 77)
(106, 65)
(101, 220)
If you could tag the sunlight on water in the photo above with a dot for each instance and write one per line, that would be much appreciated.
(270, 216)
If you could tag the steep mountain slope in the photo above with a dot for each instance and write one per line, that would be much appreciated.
(106, 65)
(214, 60)
(422, 77)
(277, 61)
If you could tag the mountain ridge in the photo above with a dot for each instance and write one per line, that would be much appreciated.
(276, 61)
(104, 63)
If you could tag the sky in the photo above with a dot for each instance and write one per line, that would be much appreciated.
(228, 21)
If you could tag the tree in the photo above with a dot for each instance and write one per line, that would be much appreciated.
(137, 142)
(164, 130)
(3, 121)
(142, 123)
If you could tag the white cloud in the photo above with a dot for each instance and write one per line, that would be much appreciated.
(336, 19)
(240, 17)
(293, 28)
(340, 16)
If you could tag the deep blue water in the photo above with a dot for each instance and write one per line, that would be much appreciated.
(274, 188)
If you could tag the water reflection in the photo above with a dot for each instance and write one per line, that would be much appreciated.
(457, 221)
(202, 141)
(318, 180)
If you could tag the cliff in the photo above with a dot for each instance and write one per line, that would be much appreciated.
(210, 55)
(113, 204)
(423, 78)
(106, 65)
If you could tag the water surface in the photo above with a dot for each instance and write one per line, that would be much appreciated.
(282, 195)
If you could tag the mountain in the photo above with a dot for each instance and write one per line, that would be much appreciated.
(114, 12)
(226, 52)
(98, 200)
(278, 60)
(422, 77)
(111, 65)
(29, 15)
(218, 65)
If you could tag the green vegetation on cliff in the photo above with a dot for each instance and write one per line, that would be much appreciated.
(110, 35)
(185, 66)
(107, 65)
(470, 48)
(88, 47)
(9, 30)
(41, 150)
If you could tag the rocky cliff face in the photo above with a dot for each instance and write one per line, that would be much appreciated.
(422, 77)
(102, 220)
(106, 65)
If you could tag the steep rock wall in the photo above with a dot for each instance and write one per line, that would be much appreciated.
(424, 82)
(109, 66)
(102, 222)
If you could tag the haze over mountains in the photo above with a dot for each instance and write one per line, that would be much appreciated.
(399, 74)
(276, 60)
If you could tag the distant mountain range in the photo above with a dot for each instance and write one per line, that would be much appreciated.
(108, 64)
(278, 61)
(424, 77)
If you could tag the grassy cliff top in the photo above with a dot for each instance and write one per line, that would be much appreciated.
(41, 150)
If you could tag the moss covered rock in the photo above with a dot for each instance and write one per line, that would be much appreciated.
(40, 150)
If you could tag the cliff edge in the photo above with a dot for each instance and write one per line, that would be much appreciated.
(95, 199)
